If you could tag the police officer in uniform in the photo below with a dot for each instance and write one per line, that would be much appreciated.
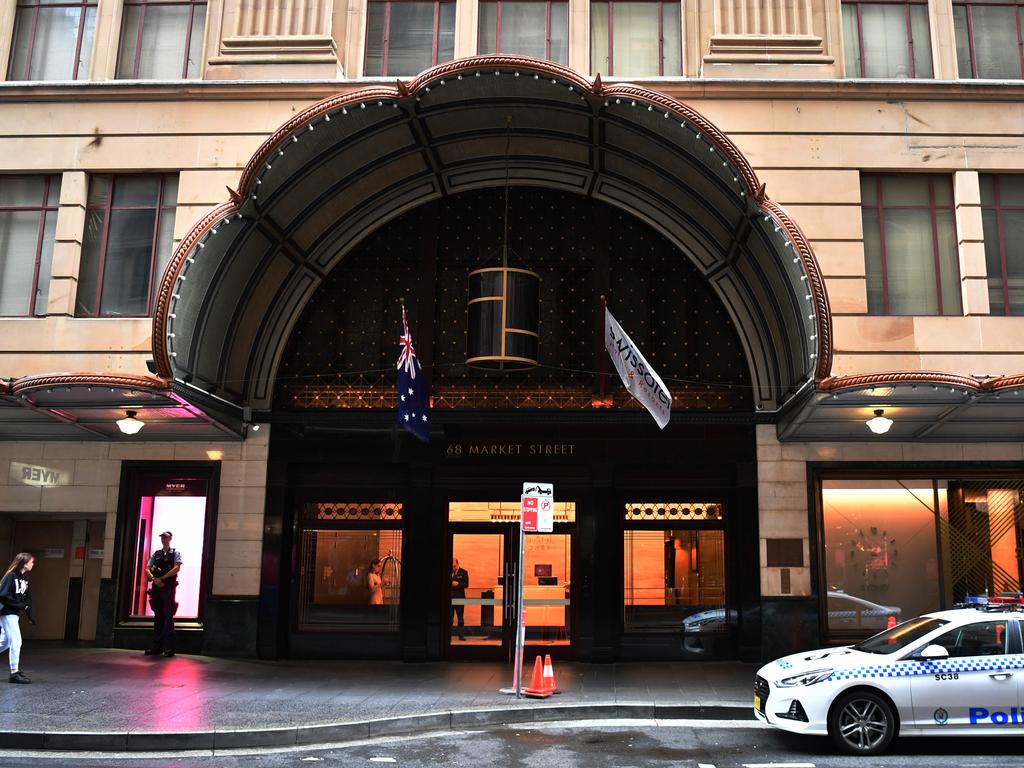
(162, 570)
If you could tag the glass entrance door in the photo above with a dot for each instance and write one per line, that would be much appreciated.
(481, 584)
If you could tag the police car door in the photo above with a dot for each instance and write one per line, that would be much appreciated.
(976, 687)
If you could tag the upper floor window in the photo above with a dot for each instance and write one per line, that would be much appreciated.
(912, 264)
(887, 39)
(161, 39)
(635, 39)
(404, 37)
(1002, 211)
(538, 28)
(28, 223)
(52, 40)
(129, 226)
(988, 39)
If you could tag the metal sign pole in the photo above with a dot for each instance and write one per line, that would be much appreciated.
(521, 614)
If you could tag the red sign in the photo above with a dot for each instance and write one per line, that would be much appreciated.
(528, 507)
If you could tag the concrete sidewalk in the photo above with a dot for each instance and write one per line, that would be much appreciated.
(105, 699)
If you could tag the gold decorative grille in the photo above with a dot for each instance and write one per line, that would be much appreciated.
(349, 512)
(652, 511)
(983, 537)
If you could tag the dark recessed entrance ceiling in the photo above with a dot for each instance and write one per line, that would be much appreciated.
(345, 167)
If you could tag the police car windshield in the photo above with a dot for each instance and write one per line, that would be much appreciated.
(899, 637)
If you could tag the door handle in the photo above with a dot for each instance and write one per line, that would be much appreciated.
(1001, 675)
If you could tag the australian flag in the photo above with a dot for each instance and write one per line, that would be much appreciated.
(413, 397)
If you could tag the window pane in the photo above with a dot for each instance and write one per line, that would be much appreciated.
(910, 189)
(195, 50)
(374, 63)
(993, 262)
(635, 39)
(446, 34)
(411, 38)
(672, 576)
(873, 262)
(560, 32)
(1013, 224)
(86, 304)
(53, 45)
(524, 28)
(963, 42)
(995, 41)
(19, 238)
(886, 48)
(949, 263)
(910, 258)
(988, 638)
(1011, 189)
(136, 190)
(487, 29)
(350, 577)
(165, 245)
(46, 263)
(922, 41)
(599, 38)
(672, 40)
(163, 42)
(851, 41)
(128, 263)
(880, 552)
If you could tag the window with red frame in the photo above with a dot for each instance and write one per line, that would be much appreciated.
(887, 39)
(629, 38)
(989, 39)
(129, 226)
(52, 40)
(28, 223)
(526, 27)
(910, 248)
(161, 39)
(1002, 211)
(404, 37)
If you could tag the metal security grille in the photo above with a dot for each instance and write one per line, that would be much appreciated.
(350, 512)
(656, 511)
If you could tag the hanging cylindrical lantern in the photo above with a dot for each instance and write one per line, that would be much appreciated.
(503, 318)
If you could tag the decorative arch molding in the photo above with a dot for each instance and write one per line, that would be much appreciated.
(348, 165)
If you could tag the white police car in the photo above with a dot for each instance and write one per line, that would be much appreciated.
(956, 672)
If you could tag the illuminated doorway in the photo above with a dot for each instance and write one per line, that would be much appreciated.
(483, 541)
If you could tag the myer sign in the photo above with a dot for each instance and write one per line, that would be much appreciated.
(31, 474)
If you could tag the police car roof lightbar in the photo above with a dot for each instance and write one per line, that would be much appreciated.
(995, 603)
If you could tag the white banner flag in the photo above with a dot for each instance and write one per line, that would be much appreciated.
(637, 376)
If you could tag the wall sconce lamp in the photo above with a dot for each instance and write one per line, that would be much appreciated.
(880, 424)
(130, 425)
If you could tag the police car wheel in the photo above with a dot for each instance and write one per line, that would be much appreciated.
(862, 723)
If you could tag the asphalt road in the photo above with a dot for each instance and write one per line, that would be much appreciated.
(622, 744)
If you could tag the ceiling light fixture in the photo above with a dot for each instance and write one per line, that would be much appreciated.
(880, 424)
(130, 425)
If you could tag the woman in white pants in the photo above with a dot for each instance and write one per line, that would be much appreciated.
(15, 598)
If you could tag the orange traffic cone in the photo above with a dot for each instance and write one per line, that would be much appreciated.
(536, 688)
(549, 676)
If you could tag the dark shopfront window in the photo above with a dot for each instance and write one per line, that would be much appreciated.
(1002, 212)
(673, 567)
(52, 40)
(161, 39)
(129, 230)
(900, 547)
(405, 37)
(179, 503)
(338, 588)
(887, 39)
(988, 39)
(28, 223)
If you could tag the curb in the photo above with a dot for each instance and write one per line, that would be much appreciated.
(311, 735)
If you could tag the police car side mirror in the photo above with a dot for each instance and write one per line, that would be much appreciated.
(933, 652)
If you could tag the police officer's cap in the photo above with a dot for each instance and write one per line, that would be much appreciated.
(168, 534)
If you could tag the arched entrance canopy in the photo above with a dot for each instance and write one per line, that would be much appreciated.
(346, 166)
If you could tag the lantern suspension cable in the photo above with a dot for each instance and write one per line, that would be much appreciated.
(508, 182)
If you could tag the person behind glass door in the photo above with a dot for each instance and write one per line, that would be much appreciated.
(460, 581)
(374, 582)
(162, 570)
(15, 598)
